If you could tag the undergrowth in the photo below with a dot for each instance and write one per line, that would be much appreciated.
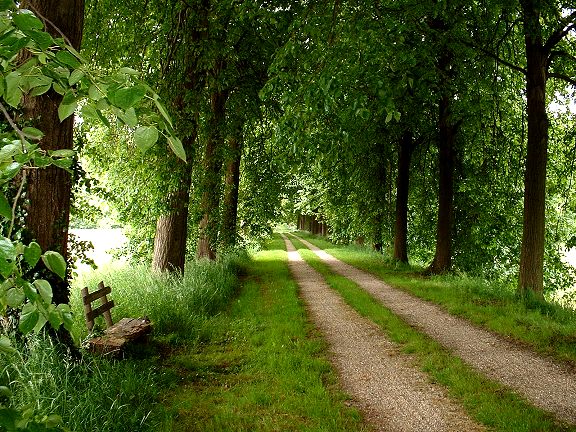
(101, 394)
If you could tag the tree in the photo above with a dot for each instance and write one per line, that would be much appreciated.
(49, 190)
(540, 53)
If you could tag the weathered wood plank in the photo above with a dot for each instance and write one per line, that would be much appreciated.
(89, 298)
(99, 310)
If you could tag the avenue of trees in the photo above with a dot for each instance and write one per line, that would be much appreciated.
(422, 128)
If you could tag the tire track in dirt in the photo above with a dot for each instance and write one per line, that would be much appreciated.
(393, 393)
(549, 385)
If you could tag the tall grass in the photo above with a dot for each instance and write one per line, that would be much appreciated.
(175, 304)
(94, 394)
(99, 394)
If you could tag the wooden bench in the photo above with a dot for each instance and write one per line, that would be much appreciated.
(116, 336)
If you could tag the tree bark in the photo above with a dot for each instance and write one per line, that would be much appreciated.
(532, 253)
(231, 186)
(405, 150)
(48, 191)
(209, 204)
(172, 231)
(447, 135)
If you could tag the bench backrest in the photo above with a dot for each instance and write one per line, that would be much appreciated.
(104, 308)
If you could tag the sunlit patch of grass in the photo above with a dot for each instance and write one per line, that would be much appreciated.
(547, 327)
(486, 401)
(263, 367)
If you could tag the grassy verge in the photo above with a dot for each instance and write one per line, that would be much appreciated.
(488, 402)
(100, 394)
(262, 366)
(547, 328)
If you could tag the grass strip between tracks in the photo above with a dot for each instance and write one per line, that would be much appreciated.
(486, 401)
(261, 365)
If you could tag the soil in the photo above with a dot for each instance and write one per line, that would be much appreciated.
(547, 384)
(389, 389)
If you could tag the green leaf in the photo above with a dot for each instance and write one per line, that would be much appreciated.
(389, 117)
(68, 59)
(5, 392)
(30, 291)
(42, 320)
(397, 116)
(59, 88)
(67, 317)
(7, 4)
(9, 150)
(128, 71)
(55, 318)
(15, 297)
(32, 254)
(43, 39)
(127, 97)
(102, 105)
(89, 112)
(65, 153)
(28, 318)
(44, 289)
(63, 163)
(5, 208)
(75, 77)
(40, 90)
(33, 133)
(145, 137)
(52, 421)
(67, 106)
(11, 170)
(26, 20)
(96, 92)
(103, 118)
(177, 147)
(6, 346)
(55, 263)
(13, 92)
(129, 117)
(162, 110)
(6, 267)
(7, 249)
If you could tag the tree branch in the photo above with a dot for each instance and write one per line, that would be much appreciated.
(562, 77)
(15, 204)
(564, 54)
(495, 57)
(54, 26)
(567, 24)
(13, 126)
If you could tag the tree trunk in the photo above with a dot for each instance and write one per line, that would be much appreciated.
(208, 228)
(532, 253)
(405, 150)
(172, 231)
(447, 136)
(48, 190)
(231, 187)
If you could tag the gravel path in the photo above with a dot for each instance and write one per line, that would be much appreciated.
(393, 394)
(547, 384)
